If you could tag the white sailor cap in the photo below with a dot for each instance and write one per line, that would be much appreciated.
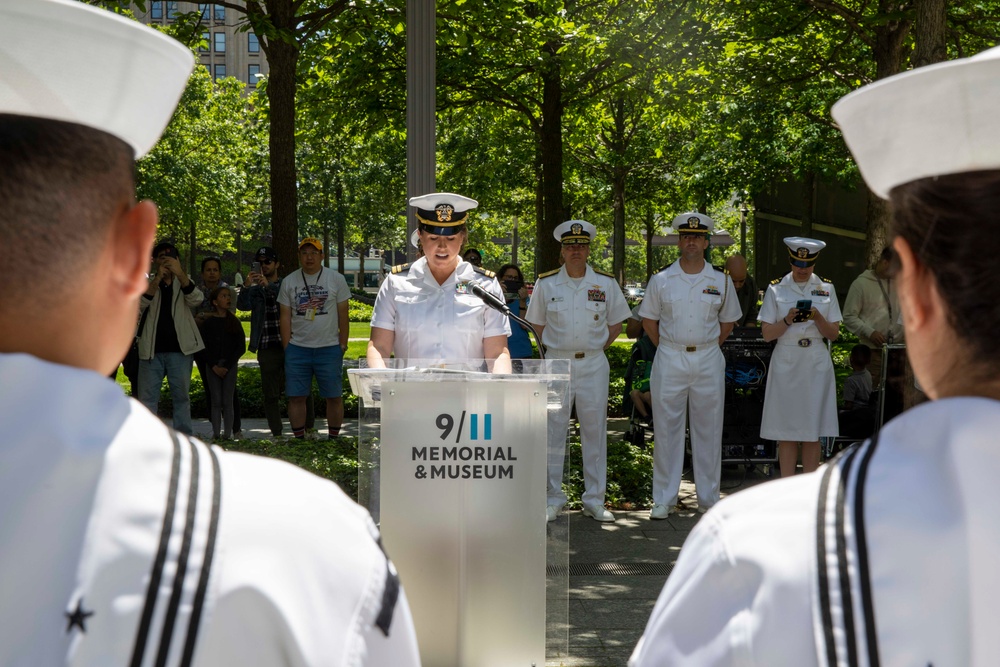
(802, 252)
(575, 232)
(442, 213)
(693, 223)
(930, 121)
(67, 61)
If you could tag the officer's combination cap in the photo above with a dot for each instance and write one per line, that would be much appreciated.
(693, 223)
(575, 232)
(930, 121)
(802, 252)
(123, 79)
(442, 213)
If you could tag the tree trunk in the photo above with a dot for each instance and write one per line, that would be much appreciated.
(930, 32)
(547, 249)
(808, 203)
(341, 221)
(282, 58)
(651, 229)
(618, 235)
(192, 248)
(890, 39)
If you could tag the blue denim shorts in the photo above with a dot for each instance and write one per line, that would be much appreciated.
(326, 363)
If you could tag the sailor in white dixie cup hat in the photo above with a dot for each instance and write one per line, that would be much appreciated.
(801, 312)
(123, 541)
(578, 312)
(427, 310)
(852, 565)
(689, 309)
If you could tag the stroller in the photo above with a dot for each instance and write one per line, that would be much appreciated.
(640, 363)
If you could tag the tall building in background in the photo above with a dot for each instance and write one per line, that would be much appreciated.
(230, 52)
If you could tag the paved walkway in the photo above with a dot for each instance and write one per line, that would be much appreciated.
(616, 570)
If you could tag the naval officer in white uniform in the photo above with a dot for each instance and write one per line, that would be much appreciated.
(888, 556)
(689, 309)
(426, 310)
(800, 401)
(578, 313)
(123, 542)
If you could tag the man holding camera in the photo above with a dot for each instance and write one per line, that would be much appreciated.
(260, 296)
(689, 309)
(168, 335)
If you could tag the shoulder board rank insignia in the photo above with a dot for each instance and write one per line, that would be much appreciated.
(548, 273)
(400, 268)
(665, 267)
(776, 281)
(608, 275)
(485, 272)
(718, 268)
(827, 280)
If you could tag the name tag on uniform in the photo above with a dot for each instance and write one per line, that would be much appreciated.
(711, 289)
(463, 288)
(556, 299)
(596, 295)
(819, 292)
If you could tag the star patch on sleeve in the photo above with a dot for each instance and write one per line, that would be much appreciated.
(76, 618)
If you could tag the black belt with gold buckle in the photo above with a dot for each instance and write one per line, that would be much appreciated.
(691, 348)
(580, 355)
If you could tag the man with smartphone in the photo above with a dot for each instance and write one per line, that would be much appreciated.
(169, 336)
(259, 295)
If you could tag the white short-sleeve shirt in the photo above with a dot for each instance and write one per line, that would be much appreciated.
(576, 316)
(432, 321)
(690, 307)
(786, 293)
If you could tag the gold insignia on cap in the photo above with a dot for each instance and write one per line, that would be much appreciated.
(444, 212)
(576, 228)
(803, 253)
(693, 222)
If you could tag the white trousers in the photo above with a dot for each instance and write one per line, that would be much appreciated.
(693, 385)
(588, 388)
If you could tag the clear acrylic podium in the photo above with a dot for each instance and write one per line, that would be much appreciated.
(453, 467)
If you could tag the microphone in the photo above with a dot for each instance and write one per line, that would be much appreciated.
(490, 300)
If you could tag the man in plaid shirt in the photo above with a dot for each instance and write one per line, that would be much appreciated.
(260, 296)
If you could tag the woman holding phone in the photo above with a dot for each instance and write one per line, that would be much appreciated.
(800, 312)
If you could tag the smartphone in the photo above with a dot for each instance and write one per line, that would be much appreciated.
(804, 308)
(255, 267)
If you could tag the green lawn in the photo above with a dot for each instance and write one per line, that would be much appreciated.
(355, 349)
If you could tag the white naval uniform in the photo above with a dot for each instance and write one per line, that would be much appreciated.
(576, 320)
(433, 321)
(687, 382)
(800, 401)
(746, 588)
(166, 548)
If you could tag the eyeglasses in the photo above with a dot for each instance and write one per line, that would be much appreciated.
(266, 261)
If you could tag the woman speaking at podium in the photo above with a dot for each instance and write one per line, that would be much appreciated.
(427, 309)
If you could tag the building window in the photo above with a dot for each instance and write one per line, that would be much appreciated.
(205, 39)
(220, 72)
(220, 14)
(252, 72)
(156, 10)
(203, 8)
(172, 10)
(253, 44)
(220, 42)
